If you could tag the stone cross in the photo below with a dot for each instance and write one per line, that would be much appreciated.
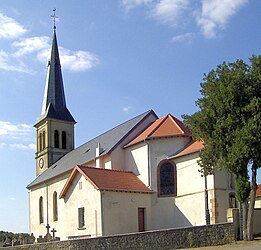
(53, 231)
(48, 228)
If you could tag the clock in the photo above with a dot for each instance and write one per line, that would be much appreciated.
(41, 162)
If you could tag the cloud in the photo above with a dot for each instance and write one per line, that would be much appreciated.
(126, 109)
(72, 60)
(8, 63)
(186, 37)
(215, 14)
(9, 28)
(169, 11)
(21, 146)
(16, 136)
(131, 4)
(15, 131)
(31, 44)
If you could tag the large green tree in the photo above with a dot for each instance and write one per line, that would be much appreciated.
(229, 122)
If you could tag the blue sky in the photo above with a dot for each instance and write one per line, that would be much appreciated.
(119, 59)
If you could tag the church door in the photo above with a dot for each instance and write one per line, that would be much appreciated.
(141, 219)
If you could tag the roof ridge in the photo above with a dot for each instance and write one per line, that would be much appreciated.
(173, 118)
(160, 123)
(116, 127)
(105, 169)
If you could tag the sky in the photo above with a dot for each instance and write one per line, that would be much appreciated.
(119, 59)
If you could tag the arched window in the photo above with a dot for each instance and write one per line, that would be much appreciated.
(55, 207)
(56, 138)
(43, 139)
(232, 203)
(63, 140)
(40, 142)
(41, 217)
(167, 184)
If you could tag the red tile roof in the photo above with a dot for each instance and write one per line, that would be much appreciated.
(194, 146)
(258, 191)
(162, 127)
(105, 179)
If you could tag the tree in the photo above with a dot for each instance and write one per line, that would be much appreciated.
(229, 122)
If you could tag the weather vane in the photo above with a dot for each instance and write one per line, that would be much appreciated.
(54, 17)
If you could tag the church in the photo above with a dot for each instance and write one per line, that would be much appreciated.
(141, 175)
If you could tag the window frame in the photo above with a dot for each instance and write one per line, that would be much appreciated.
(64, 140)
(81, 218)
(56, 139)
(55, 206)
(159, 181)
(41, 215)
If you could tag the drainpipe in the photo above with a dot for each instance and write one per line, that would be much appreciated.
(206, 202)
(149, 163)
(47, 212)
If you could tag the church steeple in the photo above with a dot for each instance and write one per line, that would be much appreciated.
(54, 104)
(55, 127)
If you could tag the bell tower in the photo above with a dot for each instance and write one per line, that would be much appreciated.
(55, 127)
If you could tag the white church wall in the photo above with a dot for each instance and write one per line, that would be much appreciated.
(161, 149)
(46, 190)
(82, 194)
(137, 161)
(120, 211)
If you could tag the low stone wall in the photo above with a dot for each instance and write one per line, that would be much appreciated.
(199, 236)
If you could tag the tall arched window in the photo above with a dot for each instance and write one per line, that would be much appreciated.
(232, 203)
(55, 206)
(41, 217)
(40, 142)
(56, 138)
(43, 139)
(63, 140)
(167, 184)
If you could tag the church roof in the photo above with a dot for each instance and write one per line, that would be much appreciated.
(106, 179)
(87, 152)
(54, 104)
(162, 127)
(193, 147)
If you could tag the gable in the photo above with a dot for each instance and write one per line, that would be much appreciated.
(105, 179)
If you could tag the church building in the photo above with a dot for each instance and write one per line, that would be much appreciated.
(141, 175)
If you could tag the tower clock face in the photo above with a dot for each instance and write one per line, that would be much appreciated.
(41, 162)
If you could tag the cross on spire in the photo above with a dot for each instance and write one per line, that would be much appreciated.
(54, 17)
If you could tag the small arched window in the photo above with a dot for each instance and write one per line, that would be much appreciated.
(55, 206)
(43, 139)
(63, 140)
(41, 217)
(167, 184)
(56, 138)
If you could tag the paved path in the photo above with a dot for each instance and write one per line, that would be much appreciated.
(242, 245)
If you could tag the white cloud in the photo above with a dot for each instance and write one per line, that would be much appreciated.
(126, 109)
(15, 131)
(21, 146)
(72, 60)
(215, 14)
(31, 44)
(7, 63)
(16, 136)
(9, 28)
(170, 11)
(186, 37)
(130, 4)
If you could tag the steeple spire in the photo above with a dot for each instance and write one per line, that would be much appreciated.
(54, 104)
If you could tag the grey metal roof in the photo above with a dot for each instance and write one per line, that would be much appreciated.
(86, 152)
(54, 104)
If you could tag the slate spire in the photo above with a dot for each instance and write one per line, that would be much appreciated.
(54, 104)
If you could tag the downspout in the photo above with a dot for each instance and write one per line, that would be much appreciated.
(102, 214)
(206, 202)
(149, 163)
(47, 212)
